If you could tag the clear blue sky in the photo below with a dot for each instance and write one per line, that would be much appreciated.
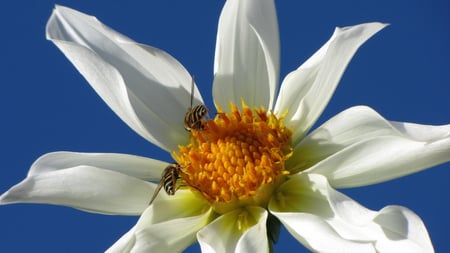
(403, 73)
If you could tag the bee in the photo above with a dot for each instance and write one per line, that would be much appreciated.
(195, 115)
(169, 178)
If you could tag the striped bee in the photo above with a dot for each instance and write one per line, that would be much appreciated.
(195, 115)
(169, 178)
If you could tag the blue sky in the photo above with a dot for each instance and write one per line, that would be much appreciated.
(403, 72)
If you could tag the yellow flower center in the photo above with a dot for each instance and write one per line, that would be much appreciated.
(237, 158)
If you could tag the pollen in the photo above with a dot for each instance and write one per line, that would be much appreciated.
(236, 158)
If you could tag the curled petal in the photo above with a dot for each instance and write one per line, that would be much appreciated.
(170, 225)
(146, 87)
(315, 213)
(247, 54)
(399, 223)
(306, 91)
(242, 230)
(359, 147)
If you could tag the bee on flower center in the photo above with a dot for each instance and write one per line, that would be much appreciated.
(169, 178)
(195, 116)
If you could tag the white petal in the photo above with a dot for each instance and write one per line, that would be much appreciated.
(247, 54)
(306, 91)
(104, 183)
(88, 188)
(225, 235)
(183, 204)
(359, 147)
(255, 238)
(399, 223)
(315, 213)
(319, 236)
(351, 126)
(422, 132)
(131, 165)
(125, 243)
(146, 87)
(170, 225)
(170, 236)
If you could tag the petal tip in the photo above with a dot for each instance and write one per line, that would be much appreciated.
(6, 198)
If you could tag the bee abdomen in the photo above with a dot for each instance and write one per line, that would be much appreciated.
(194, 118)
(170, 177)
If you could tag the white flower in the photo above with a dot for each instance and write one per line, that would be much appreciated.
(148, 89)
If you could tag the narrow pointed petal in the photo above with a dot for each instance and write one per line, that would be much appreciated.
(422, 132)
(247, 54)
(92, 182)
(230, 232)
(315, 213)
(359, 147)
(306, 91)
(87, 188)
(146, 87)
(169, 225)
(135, 166)
(125, 243)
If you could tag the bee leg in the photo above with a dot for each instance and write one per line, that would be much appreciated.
(155, 193)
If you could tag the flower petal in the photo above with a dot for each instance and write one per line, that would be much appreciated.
(359, 147)
(353, 125)
(247, 54)
(125, 243)
(171, 236)
(92, 182)
(242, 230)
(146, 87)
(314, 213)
(422, 132)
(399, 223)
(169, 225)
(306, 91)
(135, 166)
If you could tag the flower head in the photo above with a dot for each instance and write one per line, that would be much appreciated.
(252, 166)
(236, 159)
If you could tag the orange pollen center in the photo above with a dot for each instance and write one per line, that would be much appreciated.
(236, 158)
